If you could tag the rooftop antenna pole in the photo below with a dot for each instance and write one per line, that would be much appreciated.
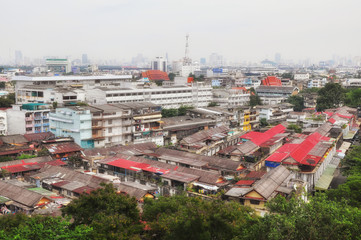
(186, 54)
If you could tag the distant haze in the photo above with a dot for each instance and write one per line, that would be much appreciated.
(237, 29)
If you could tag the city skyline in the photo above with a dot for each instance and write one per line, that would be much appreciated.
(237, 30)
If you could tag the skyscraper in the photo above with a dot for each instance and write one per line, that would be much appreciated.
(18, 57)
(84, 59)
(159, 64)
(278, 58)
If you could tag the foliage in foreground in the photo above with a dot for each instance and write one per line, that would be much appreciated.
(23, 227)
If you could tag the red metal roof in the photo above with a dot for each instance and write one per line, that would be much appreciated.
(271, 81)
(84, 189)
(299, 152)
(38, 136)
(343, 116)
(332, 120)
(59, 184)
(255, 174)
(23, 167)
(2, 153)
(65, 147)
(258, 138)
(135, 166)
(155, 75)
(245, 182)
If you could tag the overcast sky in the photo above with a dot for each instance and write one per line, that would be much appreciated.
(237, 29)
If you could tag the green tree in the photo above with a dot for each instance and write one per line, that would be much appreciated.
(320, 218)
(254, 99)
(295, 127)
(2, 84)
(288, 75)
(171, 76)
(8, 100)
(297, 102)
(212, 104)
(353, 97)
(20, 226)
(181, 217)
(330, 96)
(263, 122)
(110, 214)
(75, 161)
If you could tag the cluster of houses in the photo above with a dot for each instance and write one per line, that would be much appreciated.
(250, 167)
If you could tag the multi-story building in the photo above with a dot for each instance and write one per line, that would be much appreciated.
(248, 118)
(58, 65)
(28, 118)
(198, 95)
(3, 123)
(317, 83)
(159, 63)
(114, 124)
(231, 97)
(73, 122)
(275, 113)
(271, 95)
(107, 89)
(301, 76)
(109, 124)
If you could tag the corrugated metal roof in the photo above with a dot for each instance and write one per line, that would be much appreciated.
(66, 147)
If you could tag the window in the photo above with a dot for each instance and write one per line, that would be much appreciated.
(255, 202)
(109, 130)
(110, 121)
(109, 139)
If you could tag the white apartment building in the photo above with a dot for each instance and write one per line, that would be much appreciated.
(159, 63)
(231, 97)
(3, 123)
(58, 65)
(71, 81)
(28, 118)
(198, 95)
(317, 83)
(352, 82)
(301, 76)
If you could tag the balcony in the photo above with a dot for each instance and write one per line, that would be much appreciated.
(97, 136)
(45, 125)
(29, 119)
(37, 125)
(29, 125)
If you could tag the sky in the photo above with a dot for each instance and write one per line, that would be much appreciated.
(239, 30)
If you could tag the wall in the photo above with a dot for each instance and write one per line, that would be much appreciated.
(16, 122)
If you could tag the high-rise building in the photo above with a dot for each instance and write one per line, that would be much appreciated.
(18, 57)
(278, 58)
(84, 59)
(159, 63)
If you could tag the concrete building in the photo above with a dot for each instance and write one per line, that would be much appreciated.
(3, 123)
(271, 95)
(197, 95)
(58, 65)
(28, 118)
(301, 76)
(231, 97)
(317, 83)
(159, 63)
(275, 113)
(73, 122)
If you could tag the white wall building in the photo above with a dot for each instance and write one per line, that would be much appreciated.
(301, 76)
(58, 65)
(159, 63)
(3, 123)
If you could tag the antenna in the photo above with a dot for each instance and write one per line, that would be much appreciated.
(186, 55)
(187, 60)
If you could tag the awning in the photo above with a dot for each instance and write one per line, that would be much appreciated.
(325, 180)
(148, 117)
(205, 186)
